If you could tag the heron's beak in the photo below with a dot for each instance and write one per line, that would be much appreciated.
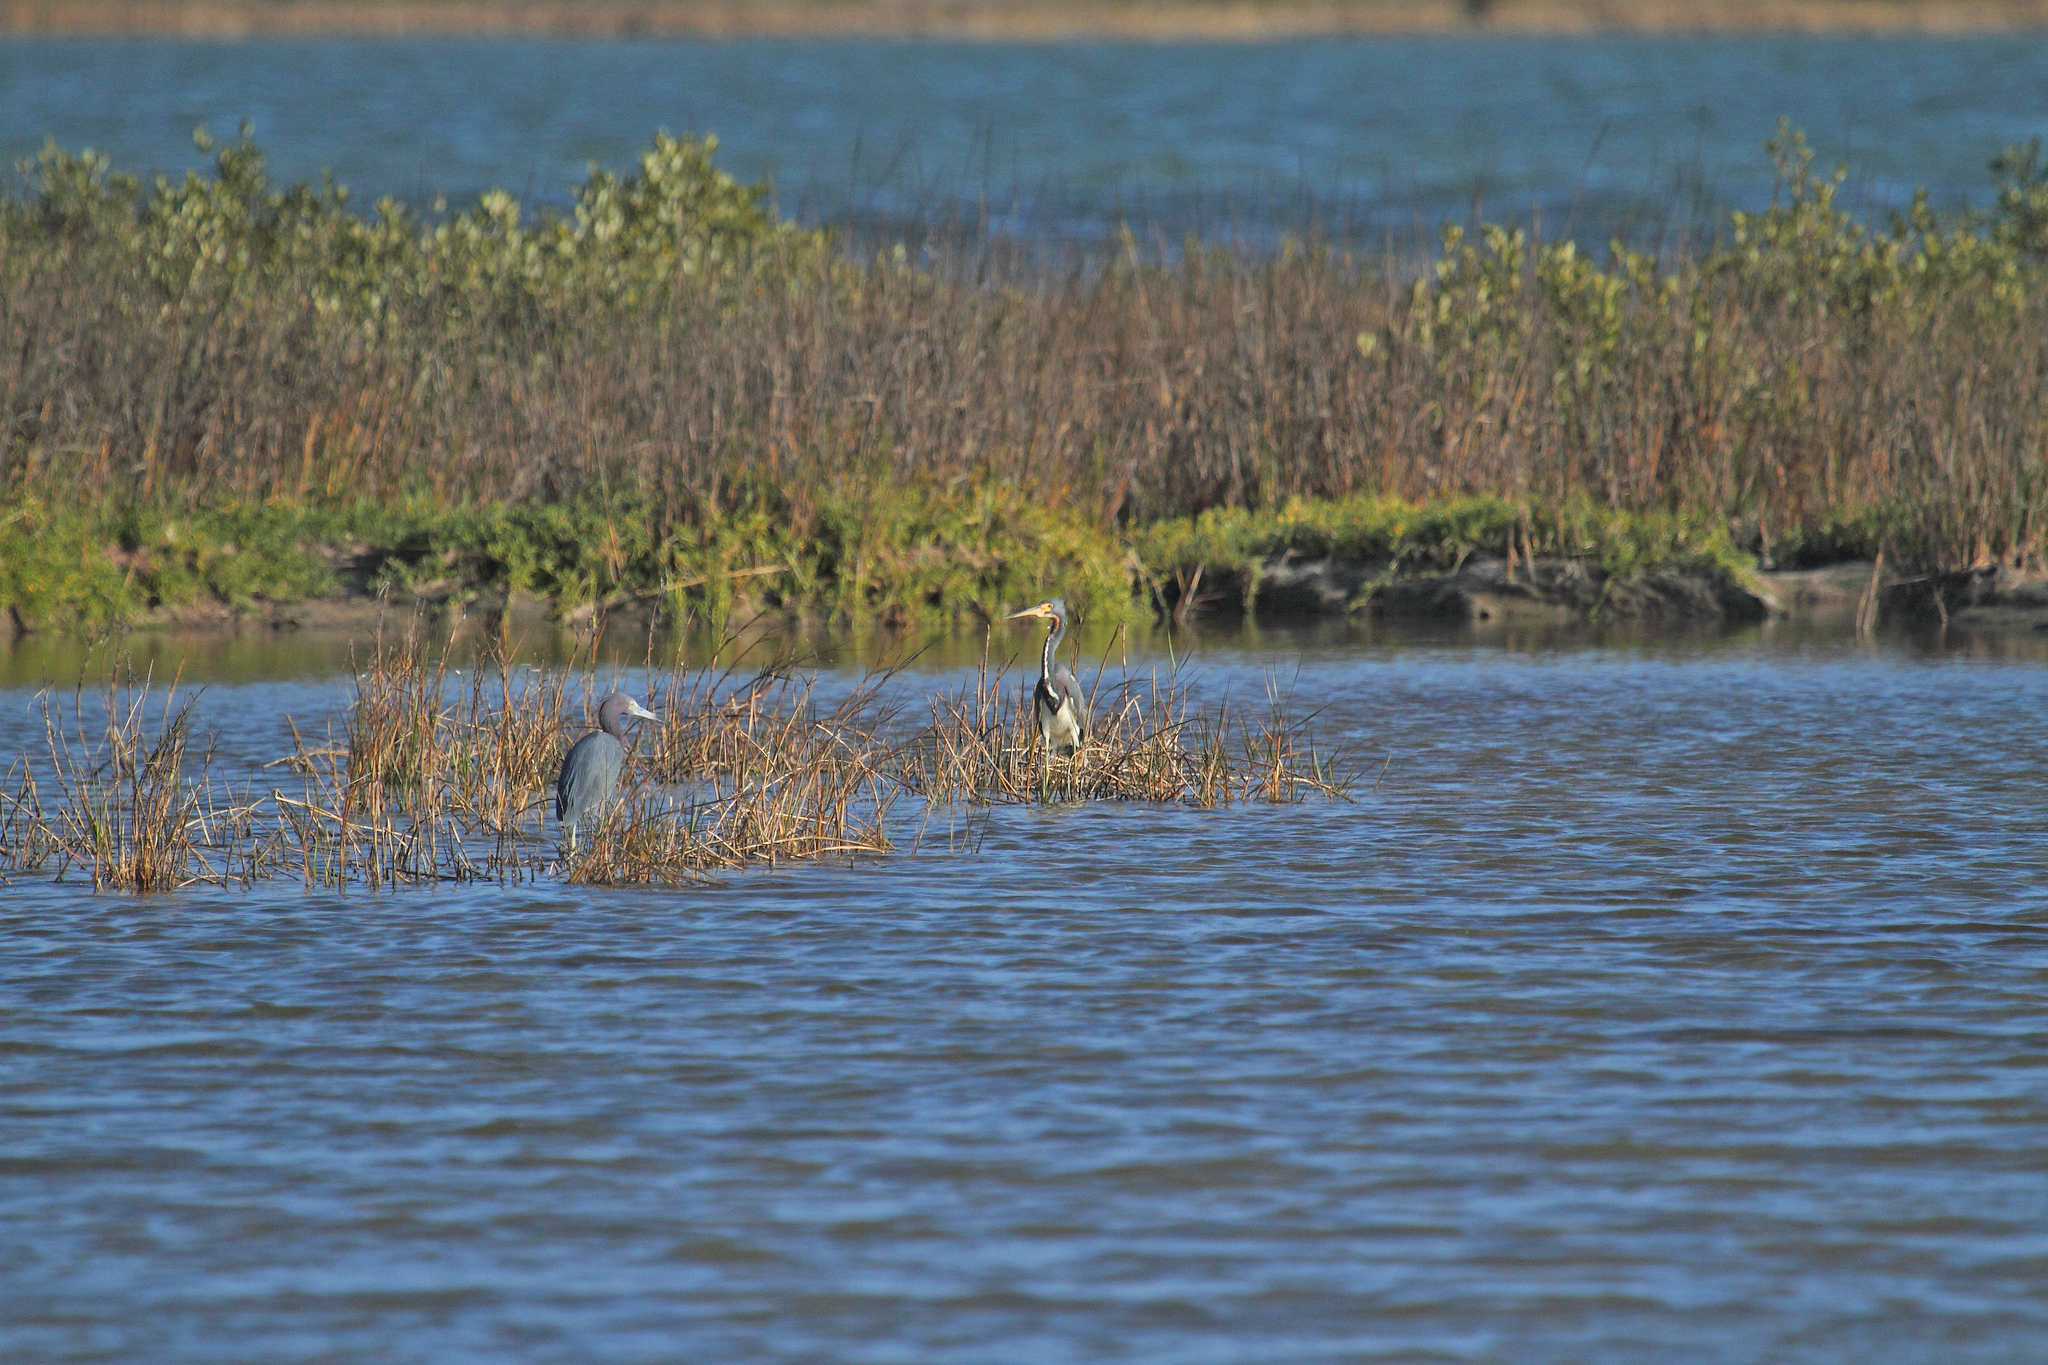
(1039, 610)
(639, 712)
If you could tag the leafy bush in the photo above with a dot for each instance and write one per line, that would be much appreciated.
(236, 236)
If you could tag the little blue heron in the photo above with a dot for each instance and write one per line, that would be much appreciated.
(590, 774)
(1057, 701)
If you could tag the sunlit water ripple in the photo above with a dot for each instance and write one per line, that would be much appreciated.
(1368, 138)
(1665, 1001)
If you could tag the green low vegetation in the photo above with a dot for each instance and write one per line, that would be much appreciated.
(893, 555)
(899, 557)
(224, 390)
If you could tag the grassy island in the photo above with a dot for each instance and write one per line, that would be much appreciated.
(225, 392)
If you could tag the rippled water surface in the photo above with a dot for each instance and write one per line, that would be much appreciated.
(1594, 135)
(1666, 1001)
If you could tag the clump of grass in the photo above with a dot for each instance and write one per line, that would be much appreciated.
(120, 803)
(739, 771)
(396, 723)
(420, 738)
(322, 841)
(759, 727)
(28, 843)
(114, 792)
(1148, 742)
(638, 843)
(509, 728)
(678, 838)
(747, 771)
(1279, 759)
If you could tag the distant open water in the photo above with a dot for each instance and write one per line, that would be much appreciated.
(1670, 1000)
(1374, 139)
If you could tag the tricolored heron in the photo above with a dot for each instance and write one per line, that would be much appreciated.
(590, 774)
(1057, 701)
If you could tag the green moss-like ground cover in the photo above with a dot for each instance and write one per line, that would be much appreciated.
(892, 555)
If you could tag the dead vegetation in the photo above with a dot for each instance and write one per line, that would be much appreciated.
(430, 773)
(114, 800)
(1150, 742)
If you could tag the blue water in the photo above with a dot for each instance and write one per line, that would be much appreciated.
(1376, 136)
(1664, 1002)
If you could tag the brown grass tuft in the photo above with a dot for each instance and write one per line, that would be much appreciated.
(1150, 742)
(114, 797)
(429, 775)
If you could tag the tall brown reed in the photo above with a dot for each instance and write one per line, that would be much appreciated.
(426, 777)
(750, 771)
(690, 834)
(1149, 741)
(115, 798)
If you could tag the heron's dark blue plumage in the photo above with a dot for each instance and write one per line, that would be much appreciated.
(590, 774)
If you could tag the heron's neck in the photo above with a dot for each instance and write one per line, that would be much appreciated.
(1052, 644)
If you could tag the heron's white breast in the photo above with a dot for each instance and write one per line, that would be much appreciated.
(1062, 727)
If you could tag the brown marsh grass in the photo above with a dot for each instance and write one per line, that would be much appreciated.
(115, 798)
(1149, 741)
(1810, 386)
(743, 770)
(725, 825)
(427, 776)
(480, 747)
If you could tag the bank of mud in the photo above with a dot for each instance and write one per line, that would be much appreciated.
(1856, 594)
(1488, 590)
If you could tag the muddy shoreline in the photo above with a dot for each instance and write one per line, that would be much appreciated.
(1483, 591)
(1214, 20)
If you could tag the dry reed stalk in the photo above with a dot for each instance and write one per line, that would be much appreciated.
(120, 803)
(423, 780)
(1870, 603)
(1149, 742)
(27, 841)
(726, 825)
